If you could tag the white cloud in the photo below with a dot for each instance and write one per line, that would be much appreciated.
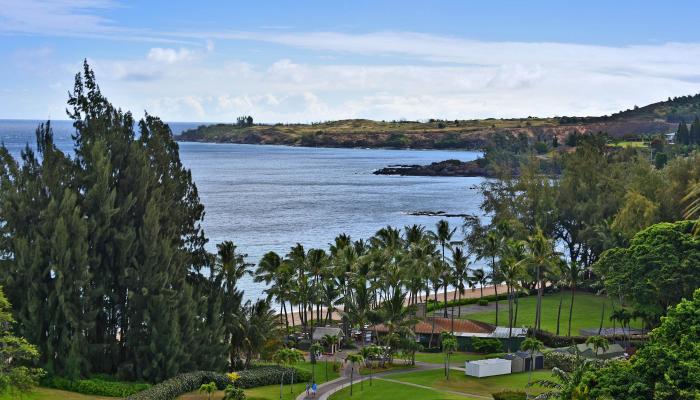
(169, 56)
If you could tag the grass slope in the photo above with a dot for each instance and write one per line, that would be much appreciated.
(467, 384)
(586, 314)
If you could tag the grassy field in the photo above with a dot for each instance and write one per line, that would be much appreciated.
(457, 358)
(382, 390)
(638, 144)
(51, 394)
(272, 392)
(586, 314)
(468, 384)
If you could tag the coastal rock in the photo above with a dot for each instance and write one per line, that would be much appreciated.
(441, 168)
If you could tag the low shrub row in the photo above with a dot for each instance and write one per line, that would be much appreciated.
(256, 376)
(96, 386)
(486, 345)
(552, 340)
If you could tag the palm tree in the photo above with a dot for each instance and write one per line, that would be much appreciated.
(512, 272)
(369, 352)
(480, 276)
(532, 345)
(353, 358)
(449, 345)
(542, 257)
(460, 261)
(567, 384)
(258, 325)
(208, 388)
(491, 249)
(598, 342)
(444, 235)
(572, 272)
(270, 271)
(315, 350)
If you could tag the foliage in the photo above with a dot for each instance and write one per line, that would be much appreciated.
(483, 302)
(233, 393)
(96, 386)
(15, 354)
(103, 250)
(486, 345)
(509, 395)
(656, 271)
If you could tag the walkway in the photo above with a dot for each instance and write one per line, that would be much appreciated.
(325, 390)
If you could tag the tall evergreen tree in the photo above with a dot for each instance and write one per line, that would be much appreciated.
(682, 135)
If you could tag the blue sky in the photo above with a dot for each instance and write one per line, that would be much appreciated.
(317, 60)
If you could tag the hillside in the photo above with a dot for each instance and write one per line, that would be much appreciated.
(656, 118)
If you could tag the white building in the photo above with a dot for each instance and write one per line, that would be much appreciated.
(488, 367)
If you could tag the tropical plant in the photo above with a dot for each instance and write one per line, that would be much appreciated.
(531, 345)
(542, 258)
(449, 346)
(208, 388)
(353, 359)
(315, 350)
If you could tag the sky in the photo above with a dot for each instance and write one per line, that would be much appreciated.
(305, 61)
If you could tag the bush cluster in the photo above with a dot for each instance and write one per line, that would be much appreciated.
(566, 361)
(96, 386)
(552, 340)
(255, 376)
(509, 395)
(486, 345)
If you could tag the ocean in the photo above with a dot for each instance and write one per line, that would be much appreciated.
(268, 198)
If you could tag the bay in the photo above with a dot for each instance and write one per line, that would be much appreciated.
(268, 198)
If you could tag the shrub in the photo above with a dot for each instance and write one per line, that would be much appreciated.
(509, 395)
(483, 302)
(486, 345)
(262, 375)
(552, 340)
(233, 393)
(97, 386)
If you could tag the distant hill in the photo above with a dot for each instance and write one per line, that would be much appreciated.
(656, 118)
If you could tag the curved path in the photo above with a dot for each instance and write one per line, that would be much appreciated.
(325, 390)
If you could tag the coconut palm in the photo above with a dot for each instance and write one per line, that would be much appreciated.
(315, 350)
(490, 249)
(368, 353)
(480, 276)
(443, 235)
(353, 359)
(572, 272)
(566, 385)
(258, 325)
(531, 345)
(598, 342)
(460, 262)
(449, 346)
(512, 272)
(541, 257)
(271, 271)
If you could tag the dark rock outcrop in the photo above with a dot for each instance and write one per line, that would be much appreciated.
(442, 168)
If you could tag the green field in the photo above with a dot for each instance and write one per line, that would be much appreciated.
(467, 384)
(458, 358)
(587, 311)
(636, 144)
(383, 390)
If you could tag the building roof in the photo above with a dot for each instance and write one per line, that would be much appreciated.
(487, 361)
(321, 331)
(502, 332)
(462, 327)
(521, 354)
(614, 349)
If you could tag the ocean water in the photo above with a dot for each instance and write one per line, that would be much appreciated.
(271, 197)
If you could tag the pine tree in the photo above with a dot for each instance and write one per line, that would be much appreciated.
(683, 135)
(694, 133)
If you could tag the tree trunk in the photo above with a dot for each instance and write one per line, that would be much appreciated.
(602, 315)
(561, 300)
(571, 308)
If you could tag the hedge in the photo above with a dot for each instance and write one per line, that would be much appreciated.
(191, 381)
(486, 345)
(96, 386)
(552, 340)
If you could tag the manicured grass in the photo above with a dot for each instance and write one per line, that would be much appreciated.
(272, 392)
(387, 367)
(586, 314)
(382, 390)
(631, 144)
(51, 394)
(458, 358)
(468, 384)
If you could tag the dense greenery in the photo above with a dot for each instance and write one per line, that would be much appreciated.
(656, 270)
(103, 253)
(16, 355)
(96, 386)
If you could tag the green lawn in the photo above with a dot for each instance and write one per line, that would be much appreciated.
(468, 384)
(272, 392)
(382, 390)
(51, 394)
(458, 358)
(631, 144)
(586, 314)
